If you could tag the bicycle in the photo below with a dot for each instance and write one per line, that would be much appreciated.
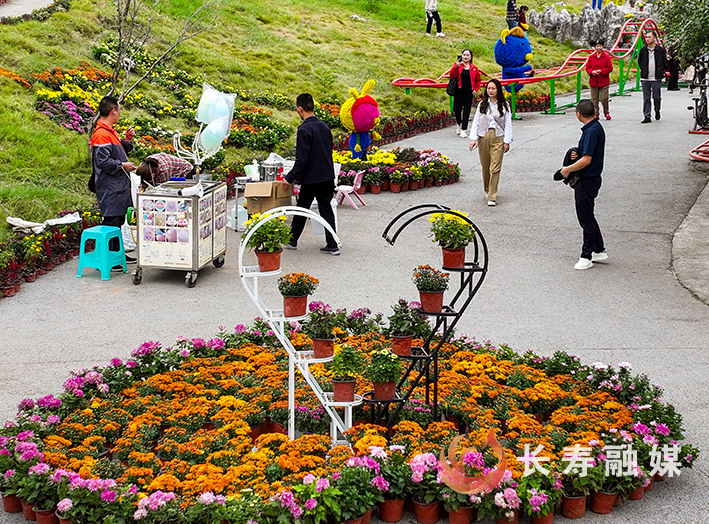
(699, 110)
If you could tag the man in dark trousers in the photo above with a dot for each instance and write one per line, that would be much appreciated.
(652, 61)
(589, 165)
(111, 168)
(314, 171)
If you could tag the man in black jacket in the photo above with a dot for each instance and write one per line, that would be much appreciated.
(653, 63)
(314, 171)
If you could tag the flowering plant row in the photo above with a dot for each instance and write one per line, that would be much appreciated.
(26, 256)
(172, 428)
(399, 166)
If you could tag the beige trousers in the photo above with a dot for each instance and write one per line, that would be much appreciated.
(603, 92)
(491, 149)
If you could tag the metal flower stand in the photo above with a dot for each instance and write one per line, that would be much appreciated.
(424, 359)
(300, 360)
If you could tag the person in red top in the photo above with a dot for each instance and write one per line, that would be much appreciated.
(469, 81)
(599, 67)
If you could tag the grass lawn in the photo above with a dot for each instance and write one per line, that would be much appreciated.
(284, 46)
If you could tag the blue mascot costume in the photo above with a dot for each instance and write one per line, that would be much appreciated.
(513, 52)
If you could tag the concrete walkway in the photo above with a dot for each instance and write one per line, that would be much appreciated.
(632, 308)
(22, 7)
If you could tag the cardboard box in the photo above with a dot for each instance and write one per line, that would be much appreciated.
(262, 196)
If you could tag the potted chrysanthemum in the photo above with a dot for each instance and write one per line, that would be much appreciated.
(320, 326)
(347, 366)
(295, 288)
(453, 233)
(431, 285)
(384, 370)
(267, 239)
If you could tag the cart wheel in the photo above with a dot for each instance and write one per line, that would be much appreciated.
(219, 261)
(191, 279)
(137, 275)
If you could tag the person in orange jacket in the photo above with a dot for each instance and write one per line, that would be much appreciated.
(599, 68)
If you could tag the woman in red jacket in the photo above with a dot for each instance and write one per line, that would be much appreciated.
(469, 80)
(599, 67)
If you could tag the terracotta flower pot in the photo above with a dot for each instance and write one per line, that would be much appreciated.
(431, 302)
(269, 261)
(413, 185)
(395, 187)
(438, 183)
(385, 390)
(11, 503)
(463, 515)
(46, 517)
(31, 278)
(428, 183)
(386, 185)
(427, 513)
(42, 271)
(361, 190)
(573, 507)
(323, 347)
(343, 390)
(453, 258)
(401, 345)
(367, 517)
(48, 266)
(602, 502)
(404, 187)
(391, 510)
(637, 494)
(376, 189)
(61, 520)
(542, 519)
(27, 510)
(618, 500)
(505, 520)
(354, 521)
(9, 291)
(295, 306)
(658, 478)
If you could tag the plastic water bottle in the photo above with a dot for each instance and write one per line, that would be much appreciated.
(255, 175)
(241, 217)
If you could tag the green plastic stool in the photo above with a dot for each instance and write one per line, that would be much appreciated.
(101, 257)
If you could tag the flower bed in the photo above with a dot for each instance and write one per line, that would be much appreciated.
(179, 427)
(404, 167)
(25, 257)
(528, 102)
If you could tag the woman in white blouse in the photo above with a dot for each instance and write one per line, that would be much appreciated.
(492, 132)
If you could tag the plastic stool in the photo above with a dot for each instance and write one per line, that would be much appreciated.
(101, 257)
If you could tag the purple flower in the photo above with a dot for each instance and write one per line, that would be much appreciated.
(287, 499)
(662, 429)
(109, 495)
(310, 504)
(26, 403)
(130, 364)
(380, 483)
(322, 484)
(198, 343)
(39, 469)
(64, 505)
(115, 362)
(24, 436)
(49, 402)
(207, 498)
(307, 479)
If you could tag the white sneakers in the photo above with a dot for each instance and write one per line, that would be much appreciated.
(441, 35)
(463, 133)
(457, 130)
(585, 263)
(491, 203)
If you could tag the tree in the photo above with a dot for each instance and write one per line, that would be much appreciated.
(134, 27)
(686, 24)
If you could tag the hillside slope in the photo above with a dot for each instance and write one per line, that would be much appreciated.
(284, 46)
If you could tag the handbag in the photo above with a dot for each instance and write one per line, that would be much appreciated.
(452, 87)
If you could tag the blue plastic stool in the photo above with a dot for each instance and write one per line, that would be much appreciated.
(101, 257)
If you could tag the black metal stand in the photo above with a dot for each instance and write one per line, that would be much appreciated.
(425, 359)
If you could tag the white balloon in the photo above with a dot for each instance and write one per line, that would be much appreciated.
(220, 109)
(214, 134)
(209, 97)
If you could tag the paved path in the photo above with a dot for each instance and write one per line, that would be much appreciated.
(630, 309)
(21, 7)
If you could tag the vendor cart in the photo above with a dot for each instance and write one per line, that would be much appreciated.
(177, 231)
